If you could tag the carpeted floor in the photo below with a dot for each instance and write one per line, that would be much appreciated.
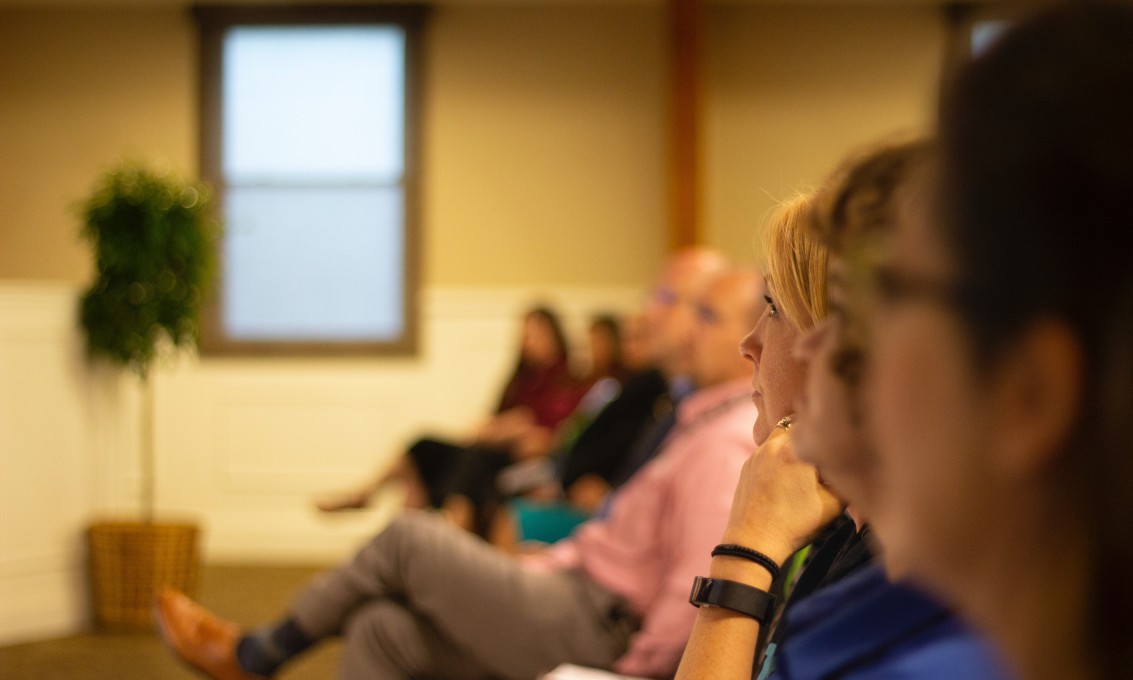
(248, 595)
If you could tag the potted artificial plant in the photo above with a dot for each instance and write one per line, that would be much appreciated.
(151, 234)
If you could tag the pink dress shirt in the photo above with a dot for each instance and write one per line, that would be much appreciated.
(664, 523)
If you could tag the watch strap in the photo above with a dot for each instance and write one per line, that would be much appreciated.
(738, 597)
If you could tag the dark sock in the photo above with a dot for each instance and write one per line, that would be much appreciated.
(265, 650)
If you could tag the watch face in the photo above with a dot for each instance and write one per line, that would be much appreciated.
(700, 588)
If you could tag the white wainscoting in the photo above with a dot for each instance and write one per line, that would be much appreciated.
(46, 461)
(242, 445)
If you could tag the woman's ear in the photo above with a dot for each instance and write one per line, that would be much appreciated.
(1037, 398)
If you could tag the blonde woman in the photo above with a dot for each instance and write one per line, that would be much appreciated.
(848, 620)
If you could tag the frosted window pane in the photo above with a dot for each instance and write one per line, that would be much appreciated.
(313, 264)
(314, 103)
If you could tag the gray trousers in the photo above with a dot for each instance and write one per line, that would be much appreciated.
(424, 599)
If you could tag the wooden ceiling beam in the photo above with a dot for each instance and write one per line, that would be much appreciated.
(684, 182)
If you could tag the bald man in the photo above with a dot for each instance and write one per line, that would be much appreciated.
(670, 317)
(425, 599)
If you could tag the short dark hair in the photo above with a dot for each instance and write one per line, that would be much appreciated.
(1036, 207)
(1037, 137)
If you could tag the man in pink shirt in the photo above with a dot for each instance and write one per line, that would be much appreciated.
(425, 599)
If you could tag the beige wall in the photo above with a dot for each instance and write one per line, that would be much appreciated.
(544, 127)
(77, 89)
(792, 89)
(545, 145)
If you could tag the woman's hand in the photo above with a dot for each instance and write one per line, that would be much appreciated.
(532, 444)
(780, 503)
(504, 429)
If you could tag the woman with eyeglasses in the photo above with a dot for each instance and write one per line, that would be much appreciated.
(1000, 391)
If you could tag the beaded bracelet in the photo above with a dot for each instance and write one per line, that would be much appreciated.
(733, 550)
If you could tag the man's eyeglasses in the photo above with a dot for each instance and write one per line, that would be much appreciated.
(706, 315)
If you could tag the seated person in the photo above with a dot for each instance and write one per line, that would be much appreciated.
(1000, 380)
(559, 493)
(599, 447)
(481, 483)
(425, 599)
(848, 620)
(608, 358)
(540, 394)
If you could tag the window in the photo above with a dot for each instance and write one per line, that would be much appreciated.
(307, 136)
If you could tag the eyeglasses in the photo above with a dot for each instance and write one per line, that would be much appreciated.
(706, 315)
(894, 287)
(665, 297)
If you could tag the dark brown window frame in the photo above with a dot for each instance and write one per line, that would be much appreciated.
(213, 21)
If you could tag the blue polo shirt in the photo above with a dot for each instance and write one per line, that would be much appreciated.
(866, 627)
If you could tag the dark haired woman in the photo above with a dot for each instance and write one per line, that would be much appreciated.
(1002, 346)
(539, 394)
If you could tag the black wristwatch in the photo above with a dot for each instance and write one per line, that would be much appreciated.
(739, 597)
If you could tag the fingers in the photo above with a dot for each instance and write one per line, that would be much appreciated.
(780, 500)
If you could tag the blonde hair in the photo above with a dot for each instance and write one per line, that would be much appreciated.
(795, 262)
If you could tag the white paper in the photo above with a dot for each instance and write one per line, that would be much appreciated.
(571, 672)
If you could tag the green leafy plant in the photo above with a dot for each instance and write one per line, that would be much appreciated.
(152, 234)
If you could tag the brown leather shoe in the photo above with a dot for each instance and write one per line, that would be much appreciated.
(202, 640)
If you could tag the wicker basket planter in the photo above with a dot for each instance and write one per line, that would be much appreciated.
(129, 564)
(151, 235)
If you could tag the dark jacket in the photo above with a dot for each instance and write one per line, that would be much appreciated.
(601, 449)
